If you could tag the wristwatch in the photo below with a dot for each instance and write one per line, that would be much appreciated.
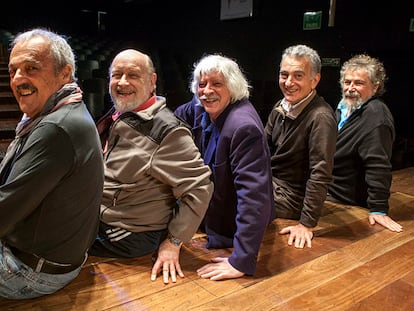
(174, 240)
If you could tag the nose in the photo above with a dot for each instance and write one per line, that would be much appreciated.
(123, 79)
(16, 77)
(207, 89)
(18, 73)
(351, 86)
(289, 80)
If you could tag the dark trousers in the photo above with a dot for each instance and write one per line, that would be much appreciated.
(119, 243)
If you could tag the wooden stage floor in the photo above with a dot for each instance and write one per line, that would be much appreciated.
(351, 266)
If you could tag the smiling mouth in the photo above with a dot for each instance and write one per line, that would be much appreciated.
(25, 89)
(208, 99)
(290, 91)
(124, 93)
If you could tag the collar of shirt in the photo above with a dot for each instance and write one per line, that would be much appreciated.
(346, 112)
(292, 111)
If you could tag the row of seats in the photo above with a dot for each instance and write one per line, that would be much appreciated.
(93, 58)
(92, 72)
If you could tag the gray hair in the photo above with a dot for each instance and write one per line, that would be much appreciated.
(374, 68)
(60, 49)
(302, 51)
(236, 81)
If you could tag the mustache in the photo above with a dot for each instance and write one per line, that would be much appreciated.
(25, 86)
(211, 98)
(352, 99)
(352, 94)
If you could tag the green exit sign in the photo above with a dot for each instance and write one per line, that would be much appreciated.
(312, 20)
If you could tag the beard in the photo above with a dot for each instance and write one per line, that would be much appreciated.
(124, 106)
(352, 99)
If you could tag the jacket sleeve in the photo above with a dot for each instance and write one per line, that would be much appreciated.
(375, 152)
(186, 113)
(322, 146)
(178, 163)
(250, 165)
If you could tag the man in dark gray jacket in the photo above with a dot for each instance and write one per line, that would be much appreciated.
(51, 178)
(362, 163)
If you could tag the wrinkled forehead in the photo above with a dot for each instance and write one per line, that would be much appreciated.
(129, 60)
(355, 73)
(296, 63)
(30, 50)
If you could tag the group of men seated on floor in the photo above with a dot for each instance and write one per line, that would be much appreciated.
(143, 179)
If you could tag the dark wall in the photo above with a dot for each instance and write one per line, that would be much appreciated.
(177, 33)
(185, 30)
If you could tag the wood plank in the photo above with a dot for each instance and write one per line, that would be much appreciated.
(403, 181)
(351, 266)
(409, 278)
(300, 279)
(182, 297)
(364, 280)
(309, 286)
(398, 296)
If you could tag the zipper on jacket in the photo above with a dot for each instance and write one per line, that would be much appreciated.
(116, 139)
(115, 198)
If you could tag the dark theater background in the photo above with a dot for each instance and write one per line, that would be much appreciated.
(177, 33)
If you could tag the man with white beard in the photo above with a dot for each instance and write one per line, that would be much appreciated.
(362, 163)
(156, 188)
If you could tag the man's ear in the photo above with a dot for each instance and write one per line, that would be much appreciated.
(66, 73)
(315, 80)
